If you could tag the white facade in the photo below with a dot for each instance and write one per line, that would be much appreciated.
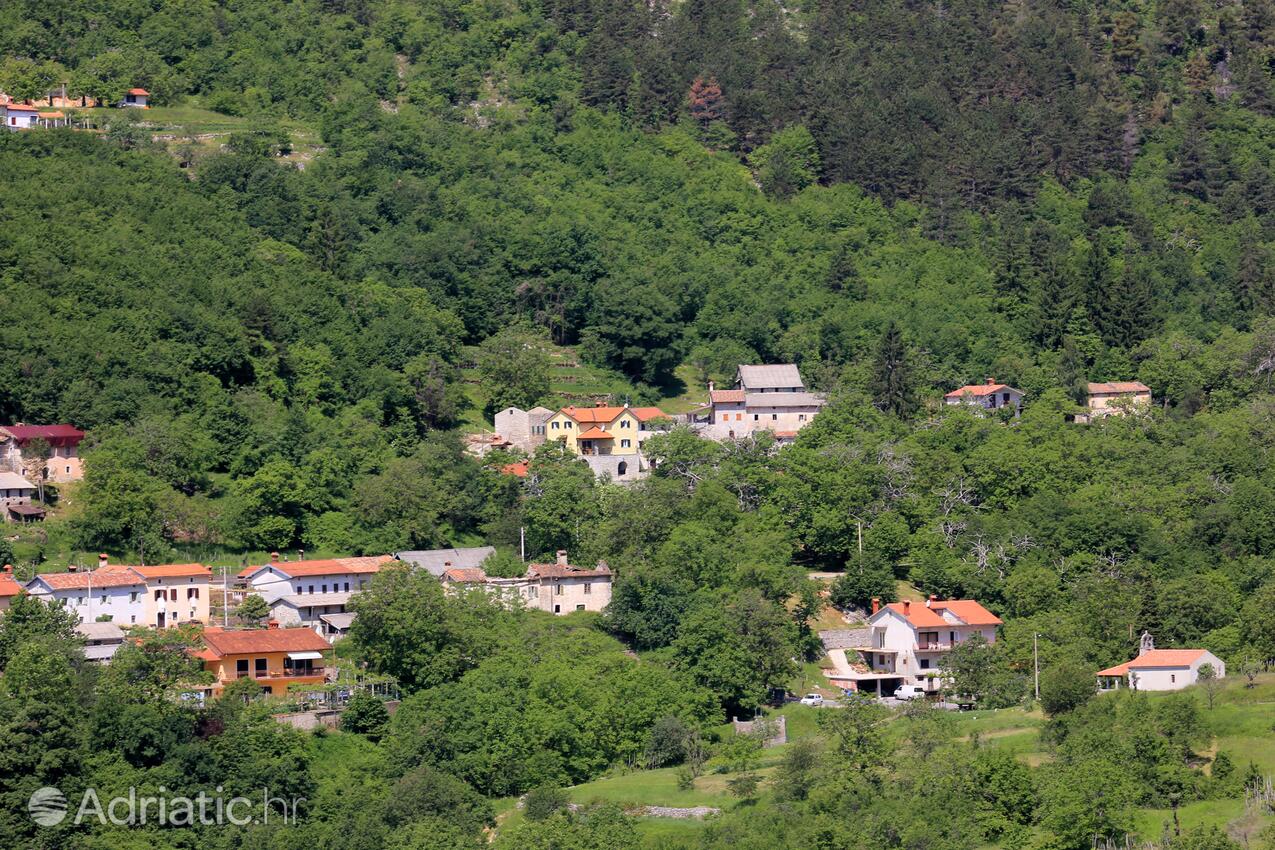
(1160, 669)
(93, 596)
(765, 398)
(907, 642)
(557, 588)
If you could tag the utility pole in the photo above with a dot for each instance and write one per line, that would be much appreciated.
(522, 542)
(225, 597)
(1036, 664)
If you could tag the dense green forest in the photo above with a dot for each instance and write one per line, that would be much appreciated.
(900, 197)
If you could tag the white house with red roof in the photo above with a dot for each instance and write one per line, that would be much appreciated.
(1160, 669)
(137, 97)
(905, 644)
(19, 116)
(988, 395)
(157, 596)
(300, 593)
(765, 398)
(558, 588)
(64, 442)
(118, 595)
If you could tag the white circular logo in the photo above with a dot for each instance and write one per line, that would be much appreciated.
(47, 806)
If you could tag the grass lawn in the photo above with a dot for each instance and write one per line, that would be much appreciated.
(1150, 823)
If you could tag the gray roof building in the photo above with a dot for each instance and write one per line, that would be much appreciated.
(438, 561)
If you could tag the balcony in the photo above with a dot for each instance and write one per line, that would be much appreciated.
(932, 646)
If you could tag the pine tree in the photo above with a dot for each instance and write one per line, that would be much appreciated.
(843, 274)
(892, 374)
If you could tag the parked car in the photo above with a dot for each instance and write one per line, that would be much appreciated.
(909, 692)
(812, 699)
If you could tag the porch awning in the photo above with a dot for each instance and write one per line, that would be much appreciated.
(305, 656)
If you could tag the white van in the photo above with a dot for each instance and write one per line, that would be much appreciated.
(906, 692)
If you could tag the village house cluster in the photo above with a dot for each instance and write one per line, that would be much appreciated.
(17, 115)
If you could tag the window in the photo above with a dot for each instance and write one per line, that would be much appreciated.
(579, 607)
(624, 444)
(533, 592)
(241, 667)
(881, 660)
(325, 588)
(555, 426)
(588, 588)
(756, 417)
(133, 618)
(312, 588)
(132, 597)
(192, 593)
(557, 609)
(260, 665)
(801, 417)
(774, 416)
(925, 664)
(567, 425)
(172, 594)
(1004, 398)
(1172, 678)
(951, 637)
(624, 423)
(79, 601)
(347, 587)
(104, 599)
(557, 589)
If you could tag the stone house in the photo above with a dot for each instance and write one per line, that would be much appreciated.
(765, 398)
(524, 429)
(64, 442)
(1114, 398)
(558, 588)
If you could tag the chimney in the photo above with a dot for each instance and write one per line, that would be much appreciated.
(70, 568)
(876, 604)
(272, 624)
(274, 557)
(8, 569)
(562, 557)
(102, 561)
(907, 607)
(300, 554)
(929, 603)
(447, 565)
(991, 380)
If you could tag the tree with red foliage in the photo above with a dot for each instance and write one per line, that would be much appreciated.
(705, 97)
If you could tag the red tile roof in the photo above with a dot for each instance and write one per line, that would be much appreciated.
(978, 390)
(109, 577)
(726, 396)
(9, 587)
(469, 575)
(21, 433)
(1118, 387)
(968, 611)
(603, 414)
(221, 643)
(138, 91)
(1156, 658)
(646, 414)
(324, 566)
(596, 433)
(519, 469)
(173, 571)
(19, 107)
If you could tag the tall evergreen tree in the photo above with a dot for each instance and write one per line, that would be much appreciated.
(892, 374)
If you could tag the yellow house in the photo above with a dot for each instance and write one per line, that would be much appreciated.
(602, 430)
(274, 657)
